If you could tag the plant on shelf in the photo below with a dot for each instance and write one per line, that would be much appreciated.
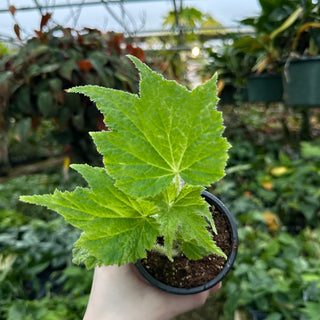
(38, 280)
(163, 146)
(301, 72)
(188, 27)
(33, 80)
(233, 66)
(306, 40)
(3, 49)
(273, 31)
(186, 20)
(277, 274)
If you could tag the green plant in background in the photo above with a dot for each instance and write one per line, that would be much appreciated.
(184, 24)
(277, 274)
(311, 307)
(283, 29)
(233, 67)
(230, 63)
(274, 30)
(155, 170)
(3, 49)
(187, 19)
(253, 187)
(306, 40)
(39, 143)
(38, 183)
(293, 188)
(34, 78)
(276, 182)
(38, 280)
(275, 198)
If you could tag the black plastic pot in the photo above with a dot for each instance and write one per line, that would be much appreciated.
(301, 82)
(231, 95)
(265, 88)
(219, 206)
(227, 95)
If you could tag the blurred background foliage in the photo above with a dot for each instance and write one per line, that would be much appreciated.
(34, 79)
(272, 186)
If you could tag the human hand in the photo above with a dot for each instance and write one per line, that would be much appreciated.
(122, 293)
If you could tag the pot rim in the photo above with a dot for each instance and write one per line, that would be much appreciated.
(265, 75)
(305, 58)
(219, 205)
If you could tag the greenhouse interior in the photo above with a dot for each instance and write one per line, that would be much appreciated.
(170, 149)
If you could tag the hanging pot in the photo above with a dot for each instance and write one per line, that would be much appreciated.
(233, 95)
(265, 88)
(301, 80)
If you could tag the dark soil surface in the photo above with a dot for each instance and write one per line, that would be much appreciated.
(184, 273)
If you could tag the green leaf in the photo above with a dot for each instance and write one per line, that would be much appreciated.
(46, 104)
(274, 316)
(193, 251)
(117, 228)
(50, 68)
(81, 255)
(311, 309)
(33, 71)
(184, 220)
(98, 61)
(287, 23)
(67, 68)
(166, 133)
(23, 102)
(159, 141)
(310, 151)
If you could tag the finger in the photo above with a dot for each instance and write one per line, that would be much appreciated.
(216, 287)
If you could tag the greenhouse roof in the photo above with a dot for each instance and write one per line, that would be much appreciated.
(130, 16)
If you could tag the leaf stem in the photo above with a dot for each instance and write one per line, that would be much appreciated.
(177, 185)
(163, 251)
